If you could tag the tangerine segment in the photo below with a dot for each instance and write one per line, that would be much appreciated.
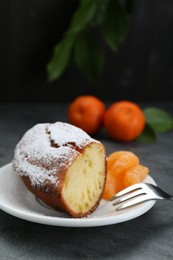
(112, 158)
(110, 187)
(119, 180)
(123, 170)
(135, 175)
(122, 163)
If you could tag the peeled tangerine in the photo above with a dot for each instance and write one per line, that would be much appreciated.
(123, 170)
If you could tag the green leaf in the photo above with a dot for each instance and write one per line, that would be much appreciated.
(114, 24)
(159, 119)
(148, 135)
(60, 58)
(111, 14)
(101, 7)
(88, 56)
(83, 16)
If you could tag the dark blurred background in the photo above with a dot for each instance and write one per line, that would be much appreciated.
(142, 70)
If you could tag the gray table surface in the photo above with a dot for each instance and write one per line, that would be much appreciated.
(149, 236)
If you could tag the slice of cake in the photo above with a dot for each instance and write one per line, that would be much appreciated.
(63, 166)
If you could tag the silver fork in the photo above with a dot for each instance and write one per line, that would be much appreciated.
(138, 193)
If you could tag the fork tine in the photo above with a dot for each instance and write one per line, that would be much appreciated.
(127, 190)
(128, 196)
(133, 202)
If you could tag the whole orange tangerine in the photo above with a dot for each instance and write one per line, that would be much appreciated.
(87, 112)
(124, 121)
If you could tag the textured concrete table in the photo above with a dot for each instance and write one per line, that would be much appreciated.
(149, 236)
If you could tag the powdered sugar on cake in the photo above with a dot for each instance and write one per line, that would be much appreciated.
(36, 158)
(64, 133)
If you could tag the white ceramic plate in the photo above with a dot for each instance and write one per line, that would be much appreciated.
(16, 200)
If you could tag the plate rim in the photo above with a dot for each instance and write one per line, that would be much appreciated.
(90, 221)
